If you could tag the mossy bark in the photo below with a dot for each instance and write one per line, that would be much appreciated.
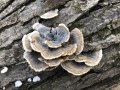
(99, 20)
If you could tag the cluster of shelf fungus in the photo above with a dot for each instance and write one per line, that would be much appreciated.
(47, 48)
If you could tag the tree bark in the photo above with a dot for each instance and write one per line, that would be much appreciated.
(99, 21)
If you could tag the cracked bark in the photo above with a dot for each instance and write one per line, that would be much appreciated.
(99, 22)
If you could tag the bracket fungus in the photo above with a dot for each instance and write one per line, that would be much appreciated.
(50, 14)
(49, 47)
(75, 68)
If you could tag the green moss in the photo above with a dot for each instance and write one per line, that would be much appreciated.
(104, 32)
(17, 53)
(78, 6)
(116, 31)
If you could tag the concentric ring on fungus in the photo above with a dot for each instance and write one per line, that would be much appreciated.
(75, 68)
(47, 47)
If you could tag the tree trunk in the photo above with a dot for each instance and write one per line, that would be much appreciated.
(99, 21)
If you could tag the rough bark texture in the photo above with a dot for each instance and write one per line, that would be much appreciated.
(99, 22)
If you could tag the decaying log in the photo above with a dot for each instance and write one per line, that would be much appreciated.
(99, 20)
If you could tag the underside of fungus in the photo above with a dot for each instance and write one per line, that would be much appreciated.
(48, 47)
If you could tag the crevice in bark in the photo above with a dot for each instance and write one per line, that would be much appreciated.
(17, 8)
(106, 83)
(29, 21)
(7, 26)
(10, 46)
(8, 3)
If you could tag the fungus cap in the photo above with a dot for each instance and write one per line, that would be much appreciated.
(67, 35)
(41, 28)
(54, 62)
(26, 43)
(50, 14)
(35, 64)
(69, 49)
(35, 42)
(75, 68)
(32, 36)
(77, 37)
(95, 58)
(51, 47)
(57, 52)
(52, 53)
(53, 44)
(92, 59)
(58, 35)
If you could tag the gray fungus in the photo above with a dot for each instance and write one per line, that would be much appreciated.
(48, 47)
